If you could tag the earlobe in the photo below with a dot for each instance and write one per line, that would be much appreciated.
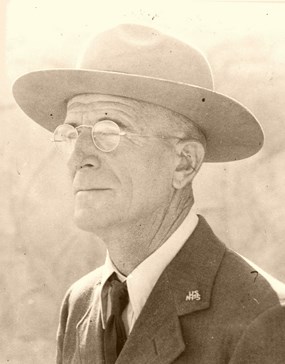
(190, 155)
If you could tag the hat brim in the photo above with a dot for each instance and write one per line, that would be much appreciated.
(231, 131)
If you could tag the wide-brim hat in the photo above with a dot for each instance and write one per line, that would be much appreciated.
(141, 63)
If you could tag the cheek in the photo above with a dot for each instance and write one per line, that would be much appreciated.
(151, 175)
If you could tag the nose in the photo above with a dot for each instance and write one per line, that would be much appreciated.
(84, 152)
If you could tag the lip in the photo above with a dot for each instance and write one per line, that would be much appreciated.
(87, 180)
(77, 190)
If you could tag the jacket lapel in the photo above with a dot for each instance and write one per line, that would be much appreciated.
(184, 287)
(90, 333)
(156, 336)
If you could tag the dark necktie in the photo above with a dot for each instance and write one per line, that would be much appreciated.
(115, 334)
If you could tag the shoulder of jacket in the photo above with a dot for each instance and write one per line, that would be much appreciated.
(248, 288)
(236, 280)
(263, 340)
(83, 288)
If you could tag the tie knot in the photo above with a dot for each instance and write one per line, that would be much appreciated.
(119, 297)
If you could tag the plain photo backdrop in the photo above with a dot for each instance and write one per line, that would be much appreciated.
(42, 251)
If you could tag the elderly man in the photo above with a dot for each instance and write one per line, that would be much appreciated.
(137, 119)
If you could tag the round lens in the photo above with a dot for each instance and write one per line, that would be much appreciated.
(106, 135)
(65, 136)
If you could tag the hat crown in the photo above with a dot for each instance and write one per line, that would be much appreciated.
(140, 50)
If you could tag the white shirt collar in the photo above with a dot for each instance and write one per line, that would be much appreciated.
(142, 279)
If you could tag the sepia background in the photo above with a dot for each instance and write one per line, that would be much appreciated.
(42, 252)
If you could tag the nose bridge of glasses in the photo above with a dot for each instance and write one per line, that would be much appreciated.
(84, 126)
(79, 127)
(83, 139)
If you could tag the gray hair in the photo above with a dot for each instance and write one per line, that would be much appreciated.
(175, 122)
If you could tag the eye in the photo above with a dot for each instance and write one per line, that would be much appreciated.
(106, 135)
(120, 123)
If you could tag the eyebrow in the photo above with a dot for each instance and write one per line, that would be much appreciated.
(120, 123)
(74, 124)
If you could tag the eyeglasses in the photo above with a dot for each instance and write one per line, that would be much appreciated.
(106, 135)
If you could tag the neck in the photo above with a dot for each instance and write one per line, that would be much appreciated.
(131, 244)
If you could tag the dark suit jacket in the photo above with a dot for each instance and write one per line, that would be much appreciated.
(172, 328)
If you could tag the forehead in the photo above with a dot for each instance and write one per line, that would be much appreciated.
(93, 101)
(89, 107)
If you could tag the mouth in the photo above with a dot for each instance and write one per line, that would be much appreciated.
(91, 190)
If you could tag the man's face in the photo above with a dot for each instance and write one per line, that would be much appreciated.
(128, 185)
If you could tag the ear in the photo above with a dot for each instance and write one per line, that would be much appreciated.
(190, 155)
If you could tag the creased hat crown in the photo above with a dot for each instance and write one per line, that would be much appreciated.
(139, 50)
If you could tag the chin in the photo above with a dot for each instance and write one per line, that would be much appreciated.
(93, 221)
